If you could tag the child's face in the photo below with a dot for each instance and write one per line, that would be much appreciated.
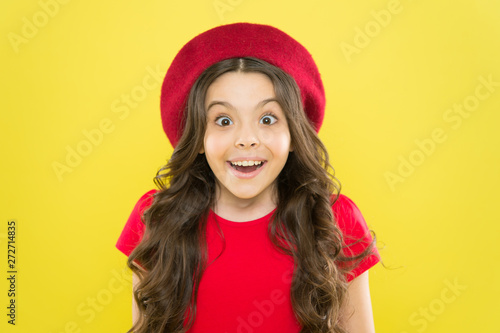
(244, 128)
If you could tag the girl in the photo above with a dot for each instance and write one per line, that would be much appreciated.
(248, 231)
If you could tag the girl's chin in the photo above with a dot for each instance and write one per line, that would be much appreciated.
(246, 194)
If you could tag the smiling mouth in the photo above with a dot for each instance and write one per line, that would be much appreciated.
(247, 166)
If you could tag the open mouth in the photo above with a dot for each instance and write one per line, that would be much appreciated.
(247, 166)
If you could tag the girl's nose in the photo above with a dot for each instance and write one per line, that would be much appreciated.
(247, 138)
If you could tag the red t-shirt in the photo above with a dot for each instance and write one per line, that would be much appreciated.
(247, 289)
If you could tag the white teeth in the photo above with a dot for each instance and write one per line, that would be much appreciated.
(247, 163)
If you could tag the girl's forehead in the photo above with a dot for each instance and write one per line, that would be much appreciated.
(240, 76)
(237, 87)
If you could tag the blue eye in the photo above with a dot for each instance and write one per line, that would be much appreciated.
(268, 119)
(223, 121)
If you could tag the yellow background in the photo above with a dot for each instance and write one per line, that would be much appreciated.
(437, 225)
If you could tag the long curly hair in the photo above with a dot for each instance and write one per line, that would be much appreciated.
(173, 252)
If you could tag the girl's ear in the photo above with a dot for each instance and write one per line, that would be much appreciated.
(202, 150)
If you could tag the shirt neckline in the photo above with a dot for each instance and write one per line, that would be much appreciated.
(244, 223)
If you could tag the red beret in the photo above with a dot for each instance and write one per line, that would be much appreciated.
(239, 40)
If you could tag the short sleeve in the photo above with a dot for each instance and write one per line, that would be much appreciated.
(357, 236)
(133, 231)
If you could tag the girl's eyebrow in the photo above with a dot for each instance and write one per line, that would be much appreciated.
(229, 106)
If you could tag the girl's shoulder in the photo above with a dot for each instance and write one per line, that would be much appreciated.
(349, 217)
(357, 237)
(145, 200)
(346, 212)
(133, 230)
(343, 206)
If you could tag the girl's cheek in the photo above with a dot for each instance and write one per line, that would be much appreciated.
(277, 136)
(279, 145)
(267, 136)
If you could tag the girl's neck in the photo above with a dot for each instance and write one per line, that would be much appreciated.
(242, 210)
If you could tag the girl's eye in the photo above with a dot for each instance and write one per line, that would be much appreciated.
(268, 119)
(223, 121)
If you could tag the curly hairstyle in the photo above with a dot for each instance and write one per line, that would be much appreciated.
(173, 252)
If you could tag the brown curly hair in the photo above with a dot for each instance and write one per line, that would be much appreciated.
(173, 251)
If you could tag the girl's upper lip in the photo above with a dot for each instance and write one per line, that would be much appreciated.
(241, 159)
